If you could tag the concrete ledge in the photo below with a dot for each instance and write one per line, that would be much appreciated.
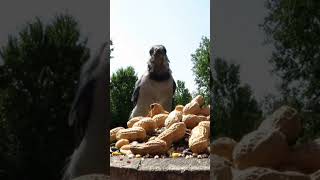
(159, 169)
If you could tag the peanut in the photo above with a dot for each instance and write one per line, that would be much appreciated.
(152, 147)
(205, 111)
(285, 119)
(199, 139)
(147, 124)
(173, 117)
(205, 124)
(125, 149)
(121, 142)
(133, 120)
(223, 147)
(113, 133)
(199, 99)
(192, 120)
(174, 133)
(179, 108)
(191, 108)
(306, 157)
(132, 134)
(159, 119)
(155, 109)
(257, 149)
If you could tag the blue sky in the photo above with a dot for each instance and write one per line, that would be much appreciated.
(177, 24)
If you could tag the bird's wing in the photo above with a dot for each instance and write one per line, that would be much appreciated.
(82, 104)
(174, 87)
(135, 93)
(80, 110)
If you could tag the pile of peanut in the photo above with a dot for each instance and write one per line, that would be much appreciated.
(158, 132)
(269, 152)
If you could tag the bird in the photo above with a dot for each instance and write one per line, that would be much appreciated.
(156, 85)
(88, 116)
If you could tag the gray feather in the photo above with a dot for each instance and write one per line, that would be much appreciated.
(135, 94)
(82, 104)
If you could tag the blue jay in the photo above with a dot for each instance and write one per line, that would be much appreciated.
(156, 85)
(88, 117)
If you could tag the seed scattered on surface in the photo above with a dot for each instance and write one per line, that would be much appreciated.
(187, 152)
(130, 156)
(116, 153)
(138, 156)
(204, 155)
(176, 155)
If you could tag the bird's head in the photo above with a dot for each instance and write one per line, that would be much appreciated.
(158, 64)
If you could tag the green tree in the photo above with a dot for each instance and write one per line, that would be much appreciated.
(235, 111)
(121, 88)
(38, 80)
(182, 95)
(201, 68)
(293, 28)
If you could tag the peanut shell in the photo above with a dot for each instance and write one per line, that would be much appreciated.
(258, 149)
(192, 120)
(113, 133)
(199, 99)
(155, 109)
(173, 117)
(152, 147)
(306, 157)
(205, 111)
(132, 134)
(287, 120)
(179, 108)
(125, 149)
(199, 139)
(174, 133)
(133, 120)
(191, 108)
(147, 124)
(223, 147)
(159, 119)
(205, 124)
(121, 142)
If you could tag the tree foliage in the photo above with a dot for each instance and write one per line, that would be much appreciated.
(38, 80)
(293, 28)
(182, 95)
(235, 111)
(121, 89)
(201, 68)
